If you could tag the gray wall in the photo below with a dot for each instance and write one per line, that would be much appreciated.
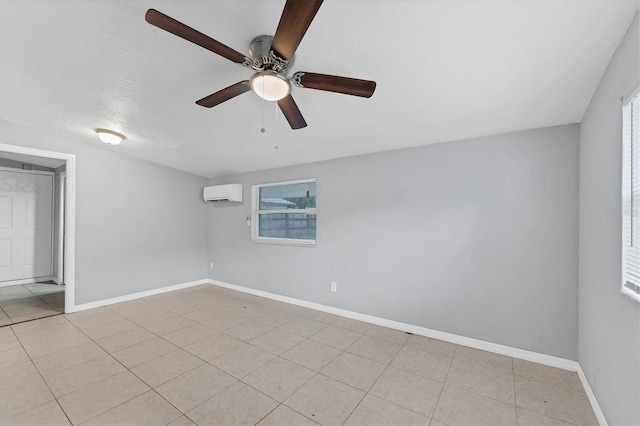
(609, 339)
(477, 238)
(139, 226)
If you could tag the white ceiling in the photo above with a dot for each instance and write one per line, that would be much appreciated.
(445, 70)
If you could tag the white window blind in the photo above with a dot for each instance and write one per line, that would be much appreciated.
(631, 198)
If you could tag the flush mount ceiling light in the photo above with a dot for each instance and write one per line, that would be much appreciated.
(110, 137)
(270, 85)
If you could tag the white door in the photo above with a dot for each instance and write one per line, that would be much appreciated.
(25, 225)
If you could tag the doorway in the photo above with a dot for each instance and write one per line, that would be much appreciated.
(40, 252)
(27, 241)
(26, 224)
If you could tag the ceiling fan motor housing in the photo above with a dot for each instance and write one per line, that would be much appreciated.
(264, 58)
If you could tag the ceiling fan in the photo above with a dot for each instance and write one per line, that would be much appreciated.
(271, 58)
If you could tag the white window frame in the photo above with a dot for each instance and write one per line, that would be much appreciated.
(630, 285)
(255, 212)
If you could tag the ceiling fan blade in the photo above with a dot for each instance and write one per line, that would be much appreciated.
(225, 94)
(292, 113)
(334, 83)
(294, 22)
(169, 24)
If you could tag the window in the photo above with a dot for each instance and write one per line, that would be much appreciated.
(631, 198)
(284, 213)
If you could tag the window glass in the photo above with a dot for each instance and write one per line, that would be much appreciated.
(631, 198)
(299, 226)
(285, 213)
(292, 196)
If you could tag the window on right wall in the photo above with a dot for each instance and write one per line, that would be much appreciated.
(631, 197)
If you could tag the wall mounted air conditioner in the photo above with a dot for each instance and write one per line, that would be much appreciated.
(230, 192)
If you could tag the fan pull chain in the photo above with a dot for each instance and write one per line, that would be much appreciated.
(262, 129)
(276, 126)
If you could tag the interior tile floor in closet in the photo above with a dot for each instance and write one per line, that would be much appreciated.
(19, 303)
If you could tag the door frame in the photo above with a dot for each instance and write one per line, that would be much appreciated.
(70, 215)
(29, 172)
(62, 182)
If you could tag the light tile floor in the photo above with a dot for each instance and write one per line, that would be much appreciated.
(211, 356)
(19, 303)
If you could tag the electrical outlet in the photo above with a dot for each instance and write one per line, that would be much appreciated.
(210, 265)
(334, 286)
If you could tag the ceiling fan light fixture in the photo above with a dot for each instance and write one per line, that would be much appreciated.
(110, 137)
(270, 85)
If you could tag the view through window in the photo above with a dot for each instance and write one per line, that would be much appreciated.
(631, 198)
(285, 212)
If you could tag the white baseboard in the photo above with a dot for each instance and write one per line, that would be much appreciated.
(552, 361)
(602, 420)
(539, 358)
(134, 296)
(25, 281)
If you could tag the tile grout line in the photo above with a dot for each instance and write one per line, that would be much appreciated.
(515, 395)
(307, 381)
(483, 395)
(103, 380)
(55, 398)
(241, 380)
(401, 369)
(126, 369)
(207, 362)
(185, 372)
(514, 375)
(285, 359)
(8, 317)
(553, 418)
(49, 304)
(444, 382)
(316, 373)
(32, 319)
(341, 351)
(378, 378)
(276, 356)
(367, 392)
(32, 296)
